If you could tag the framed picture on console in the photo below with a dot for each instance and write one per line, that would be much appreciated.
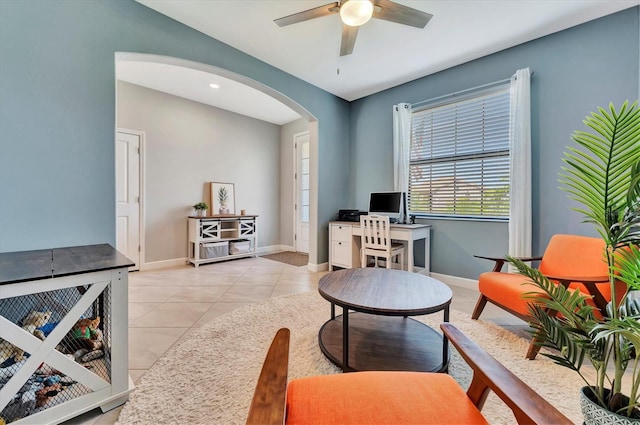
(223, 198)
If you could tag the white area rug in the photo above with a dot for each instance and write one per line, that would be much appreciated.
(210, 377)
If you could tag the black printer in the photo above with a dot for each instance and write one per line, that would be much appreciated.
(350, 215)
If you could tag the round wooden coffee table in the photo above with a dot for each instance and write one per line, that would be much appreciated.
(378, 334)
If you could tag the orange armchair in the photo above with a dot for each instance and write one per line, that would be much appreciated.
(392, 397)
(576, 262)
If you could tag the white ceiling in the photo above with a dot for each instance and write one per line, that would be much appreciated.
(193, 84)
(386, 54)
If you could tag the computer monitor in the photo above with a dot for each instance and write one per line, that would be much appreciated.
(386, 203)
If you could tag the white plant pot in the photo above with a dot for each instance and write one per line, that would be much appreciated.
(595, 414)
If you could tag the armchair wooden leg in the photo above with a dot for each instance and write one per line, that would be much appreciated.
(482, 301)
(533, 350)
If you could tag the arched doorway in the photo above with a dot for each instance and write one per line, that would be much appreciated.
(301, 111)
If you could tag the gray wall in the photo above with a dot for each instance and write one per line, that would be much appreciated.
(287, 193)
(576, 70)
(188, 144)
(57, 115)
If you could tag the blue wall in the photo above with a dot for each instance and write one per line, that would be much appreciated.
(576, 70)
(57, 115)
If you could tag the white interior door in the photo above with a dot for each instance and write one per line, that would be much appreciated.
(128, 196)
(301, 239)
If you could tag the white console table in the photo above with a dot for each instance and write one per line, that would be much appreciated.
(69, 283)
(344, 243)
(221, 229)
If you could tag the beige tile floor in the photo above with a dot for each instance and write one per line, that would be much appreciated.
(166, 305)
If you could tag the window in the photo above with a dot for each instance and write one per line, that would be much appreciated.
(459, 157)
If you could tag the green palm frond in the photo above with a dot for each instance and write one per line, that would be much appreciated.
(627, 230)
(633, 197)
(630, 307)
(599, 175)
(626, 330)
(627, 266)
(570, 304)
(551, 333)
(630, 225)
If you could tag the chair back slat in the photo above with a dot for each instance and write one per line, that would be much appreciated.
(375, 232)
(573, 255)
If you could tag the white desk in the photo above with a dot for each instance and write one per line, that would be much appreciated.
(344, 243)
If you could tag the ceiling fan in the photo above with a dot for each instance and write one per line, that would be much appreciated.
(355, 13)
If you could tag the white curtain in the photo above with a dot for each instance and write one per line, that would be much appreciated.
(401, 146)
(520, 165)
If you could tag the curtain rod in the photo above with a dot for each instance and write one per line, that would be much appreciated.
(458, 93)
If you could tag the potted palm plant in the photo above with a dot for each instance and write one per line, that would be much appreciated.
(603, 175)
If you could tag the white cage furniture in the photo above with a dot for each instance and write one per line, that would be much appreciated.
(43, 378)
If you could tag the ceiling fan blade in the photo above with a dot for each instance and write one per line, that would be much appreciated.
(316, 12)
(394, 12)
(349, 35)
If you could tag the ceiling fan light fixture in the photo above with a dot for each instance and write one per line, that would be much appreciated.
(356, 12)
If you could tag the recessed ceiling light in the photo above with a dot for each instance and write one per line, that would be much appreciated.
(214, 86)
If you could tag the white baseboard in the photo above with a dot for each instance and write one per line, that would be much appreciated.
(318, 267)
(163, 264)
(182, 261)
(273, 248)
(261, 250)
(456, 281)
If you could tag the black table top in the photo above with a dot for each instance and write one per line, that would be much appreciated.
(24, 266)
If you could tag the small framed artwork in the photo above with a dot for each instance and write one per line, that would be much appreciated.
(223, 199)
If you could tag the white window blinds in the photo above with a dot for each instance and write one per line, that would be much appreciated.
(459, 161)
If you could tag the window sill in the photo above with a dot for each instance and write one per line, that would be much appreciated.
(479, 219)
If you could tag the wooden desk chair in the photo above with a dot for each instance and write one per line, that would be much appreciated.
(576, 262)
(393, 397)
(376, 241)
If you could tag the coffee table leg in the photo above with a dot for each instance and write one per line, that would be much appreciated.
(445, 343)
(345, 339)
(333, 311)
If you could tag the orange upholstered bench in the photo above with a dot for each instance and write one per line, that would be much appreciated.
(392, 397)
